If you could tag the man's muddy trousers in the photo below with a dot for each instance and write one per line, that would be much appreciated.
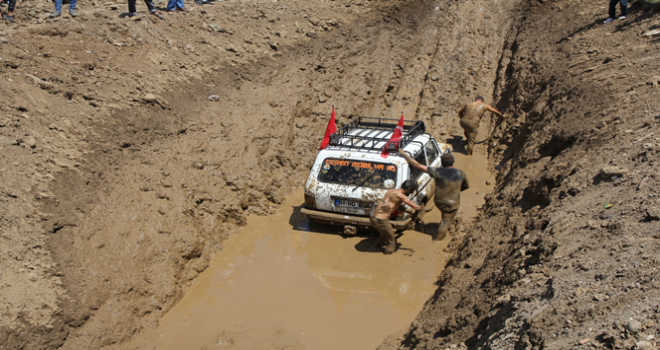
(384, 227)
(470, 132)
(448, 215)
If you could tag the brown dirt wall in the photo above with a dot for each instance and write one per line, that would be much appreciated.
(548, 265)
(120, 179)
(124, 178)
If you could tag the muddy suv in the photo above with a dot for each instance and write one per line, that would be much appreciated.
(350, 176)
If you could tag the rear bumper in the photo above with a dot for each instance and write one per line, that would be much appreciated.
(345, 219)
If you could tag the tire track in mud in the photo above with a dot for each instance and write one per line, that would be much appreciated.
(544, 268)
(136, 222)
(168, 201)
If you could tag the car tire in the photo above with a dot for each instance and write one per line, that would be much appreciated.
(419, 215)
(430, 204)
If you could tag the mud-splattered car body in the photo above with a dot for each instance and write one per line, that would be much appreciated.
(350, 176)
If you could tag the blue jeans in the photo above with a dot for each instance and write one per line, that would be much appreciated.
(58, 5)
(624, 8)
(174, 4)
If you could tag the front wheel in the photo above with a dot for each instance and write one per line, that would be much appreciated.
(419, 215)
(429, 205)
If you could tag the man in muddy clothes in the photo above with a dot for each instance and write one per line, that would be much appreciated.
(449, 182)
(381, 214)
(470, 116)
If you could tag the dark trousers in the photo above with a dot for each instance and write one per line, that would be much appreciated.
(624, 8)
(11, 6)
(131, 6)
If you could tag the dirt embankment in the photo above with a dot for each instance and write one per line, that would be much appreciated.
(120, 179)
(564, 254)
(123, 179)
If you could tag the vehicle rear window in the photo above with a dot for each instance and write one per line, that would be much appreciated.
(358, 173)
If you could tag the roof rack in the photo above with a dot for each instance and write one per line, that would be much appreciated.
(370, 130)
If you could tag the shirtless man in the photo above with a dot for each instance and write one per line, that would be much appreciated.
(449, 182)
(470, 116)
(381, 214)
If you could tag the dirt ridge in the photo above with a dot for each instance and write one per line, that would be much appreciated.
(547, 265)
(120, 179)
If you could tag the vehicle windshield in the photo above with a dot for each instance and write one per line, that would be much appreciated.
(358, 173)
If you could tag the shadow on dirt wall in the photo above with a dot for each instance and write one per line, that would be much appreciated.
(167, 181)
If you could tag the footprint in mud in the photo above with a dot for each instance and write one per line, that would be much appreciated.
(254, 340)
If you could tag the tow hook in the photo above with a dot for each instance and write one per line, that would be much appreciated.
(350, 230)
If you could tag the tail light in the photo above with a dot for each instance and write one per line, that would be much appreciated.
(395, 214)
(310, 201)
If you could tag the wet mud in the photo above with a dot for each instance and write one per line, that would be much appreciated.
(120, 180)
(283, 281)
(281, 277)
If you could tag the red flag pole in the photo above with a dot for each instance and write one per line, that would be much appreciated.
(331, 129)
(397, 135)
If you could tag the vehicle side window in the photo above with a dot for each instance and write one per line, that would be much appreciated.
(421, 159)
(432, 152)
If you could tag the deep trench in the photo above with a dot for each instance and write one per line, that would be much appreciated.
(413, 62)
(421, 61)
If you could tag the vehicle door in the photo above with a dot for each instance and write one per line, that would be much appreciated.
(423, 179)
(433, 154)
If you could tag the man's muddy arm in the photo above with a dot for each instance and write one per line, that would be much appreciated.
(410, 203)
(465, 185)
(461, 111)
(413, 162)
(493, 110)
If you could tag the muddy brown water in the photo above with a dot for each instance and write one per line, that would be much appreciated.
(282, 282)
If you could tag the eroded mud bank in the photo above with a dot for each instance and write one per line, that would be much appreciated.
(123, 179)
(139, 177)
(563, 256)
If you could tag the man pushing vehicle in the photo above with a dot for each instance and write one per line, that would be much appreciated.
(449, 182)
(381, 214)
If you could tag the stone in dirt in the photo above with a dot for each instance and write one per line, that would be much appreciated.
(216, 28)
(612, 170)
(634, 326)
(651, 33)
(150, 98)
(30, 141)
(8, 141)
(644, 345)
(653, 214)
(655, 80)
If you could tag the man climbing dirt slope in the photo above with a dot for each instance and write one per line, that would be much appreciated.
(470, 116)
(120, 179)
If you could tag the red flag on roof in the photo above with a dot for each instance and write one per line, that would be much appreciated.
(331, 129)
(397, 135)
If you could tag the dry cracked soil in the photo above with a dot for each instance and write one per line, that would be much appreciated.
(120, 179)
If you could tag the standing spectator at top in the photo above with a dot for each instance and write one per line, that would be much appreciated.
(624, 10)
(175, 6)
(10, 11)
(58, 8)
(132, 11)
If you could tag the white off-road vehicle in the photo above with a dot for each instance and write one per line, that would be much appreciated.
(350, 176)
